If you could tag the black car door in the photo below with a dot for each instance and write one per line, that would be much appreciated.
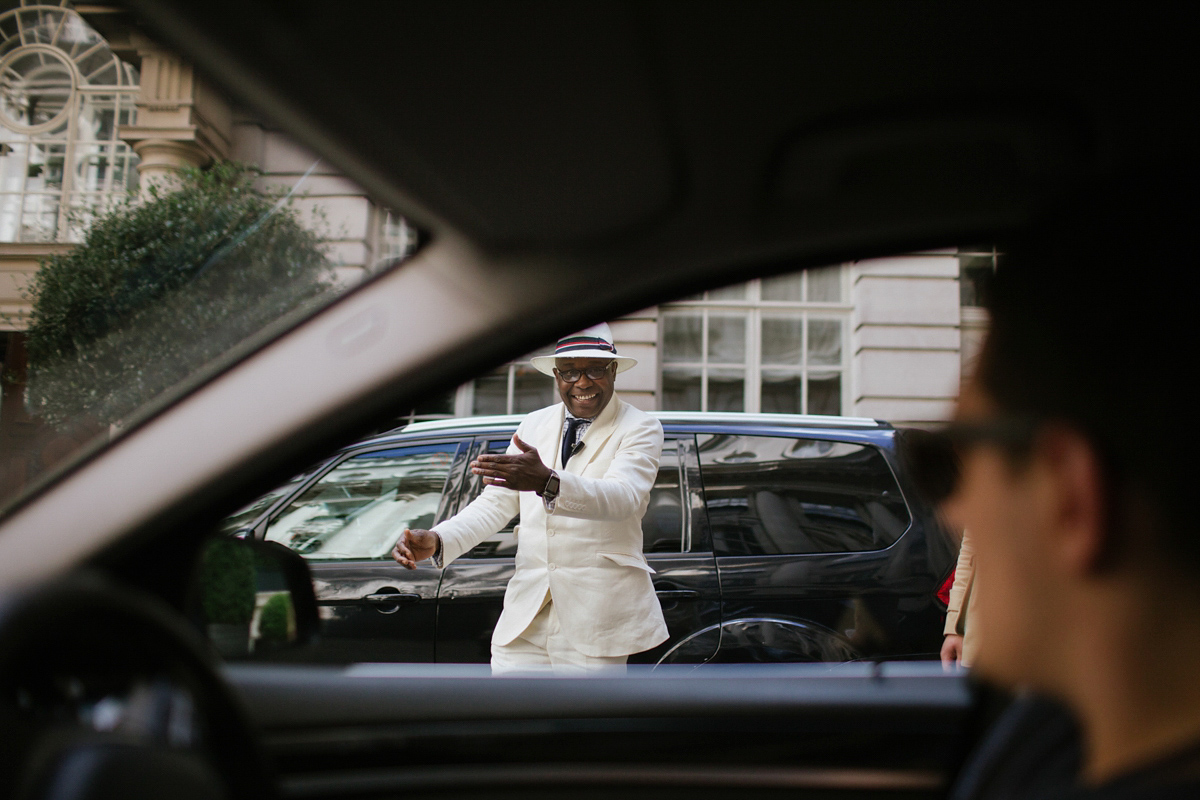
(345, 521)
(819, 556)
(472, 592)
(677, 544)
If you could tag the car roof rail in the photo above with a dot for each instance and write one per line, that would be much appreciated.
(668, 417)
(774, 420)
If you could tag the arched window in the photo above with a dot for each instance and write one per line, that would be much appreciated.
(63, 95)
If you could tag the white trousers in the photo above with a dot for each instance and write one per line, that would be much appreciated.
(542, 647)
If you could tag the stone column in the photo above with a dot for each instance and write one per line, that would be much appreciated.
(161, 159)
(637, 335)
(180, 122)
(906, 340)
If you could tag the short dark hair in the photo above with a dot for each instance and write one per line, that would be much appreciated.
(1093, 322)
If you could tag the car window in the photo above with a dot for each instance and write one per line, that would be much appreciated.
(663, 524)
(503, 543)
(246, 516)
(157, 294)
(663, 528)
(359, 508)
(773, 495)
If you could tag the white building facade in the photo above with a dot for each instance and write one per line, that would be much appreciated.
(887, 338)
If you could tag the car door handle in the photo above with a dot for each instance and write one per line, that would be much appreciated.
(392, 598)
(676, 594)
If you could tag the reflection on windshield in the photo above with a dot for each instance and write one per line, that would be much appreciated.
(156, 296)
(136, 255)
(159, 288)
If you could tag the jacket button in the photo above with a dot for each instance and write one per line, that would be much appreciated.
(553, 567)
(549, 533)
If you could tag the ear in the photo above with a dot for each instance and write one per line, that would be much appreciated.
(1073, 496)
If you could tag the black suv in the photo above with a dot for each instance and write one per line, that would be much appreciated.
(773, 538)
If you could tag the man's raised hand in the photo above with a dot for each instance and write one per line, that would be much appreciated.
(522, 472)
(414, 545)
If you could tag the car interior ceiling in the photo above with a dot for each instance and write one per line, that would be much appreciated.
(718, 142)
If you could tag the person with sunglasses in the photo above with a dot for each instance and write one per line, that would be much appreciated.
(579, 473)
(1077, 484)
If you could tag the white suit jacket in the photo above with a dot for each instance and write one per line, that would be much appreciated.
(587, 552)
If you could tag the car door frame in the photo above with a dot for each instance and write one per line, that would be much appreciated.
(493, 572)
(417, 591)
(687, 583)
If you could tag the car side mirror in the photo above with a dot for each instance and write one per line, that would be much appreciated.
(252, 598)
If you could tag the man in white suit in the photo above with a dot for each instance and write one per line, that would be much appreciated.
(580, 473)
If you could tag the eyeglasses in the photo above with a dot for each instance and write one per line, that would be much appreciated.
(933, 459)
(593, 373)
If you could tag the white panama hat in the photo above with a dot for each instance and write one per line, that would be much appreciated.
(593, 342)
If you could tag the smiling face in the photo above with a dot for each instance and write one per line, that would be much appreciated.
(585, 398)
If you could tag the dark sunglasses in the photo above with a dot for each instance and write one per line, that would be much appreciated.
(593, 373)
(933, 459)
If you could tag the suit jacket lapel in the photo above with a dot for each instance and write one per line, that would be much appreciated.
(552, 436)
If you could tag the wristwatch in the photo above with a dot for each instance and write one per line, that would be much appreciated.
(551, 489)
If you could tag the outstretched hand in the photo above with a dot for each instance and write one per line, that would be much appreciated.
(414, 545)
(522, 472)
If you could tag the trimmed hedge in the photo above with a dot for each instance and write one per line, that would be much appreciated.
(161, 287)
(227, 582)
(274, 620)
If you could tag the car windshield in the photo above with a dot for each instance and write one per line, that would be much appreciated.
(134, 269)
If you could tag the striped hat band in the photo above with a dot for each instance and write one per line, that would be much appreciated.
(583, 343)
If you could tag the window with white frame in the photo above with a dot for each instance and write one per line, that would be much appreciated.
(63, 95)
(515, 388)
(770, 345)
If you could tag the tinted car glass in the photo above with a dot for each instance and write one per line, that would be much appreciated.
(770, 495)
(663, 525)
(504, 542)
(358, 509)
(249, 513)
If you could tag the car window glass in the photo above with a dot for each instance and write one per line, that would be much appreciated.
(360, 507)
(503, 543)
(246, 516)
(662, 524)
(770, 495)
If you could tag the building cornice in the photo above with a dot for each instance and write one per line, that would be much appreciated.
(13, 253)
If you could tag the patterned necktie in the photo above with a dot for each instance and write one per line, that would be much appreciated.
(568, 443)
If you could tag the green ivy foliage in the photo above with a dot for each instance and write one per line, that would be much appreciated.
(161, 287)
